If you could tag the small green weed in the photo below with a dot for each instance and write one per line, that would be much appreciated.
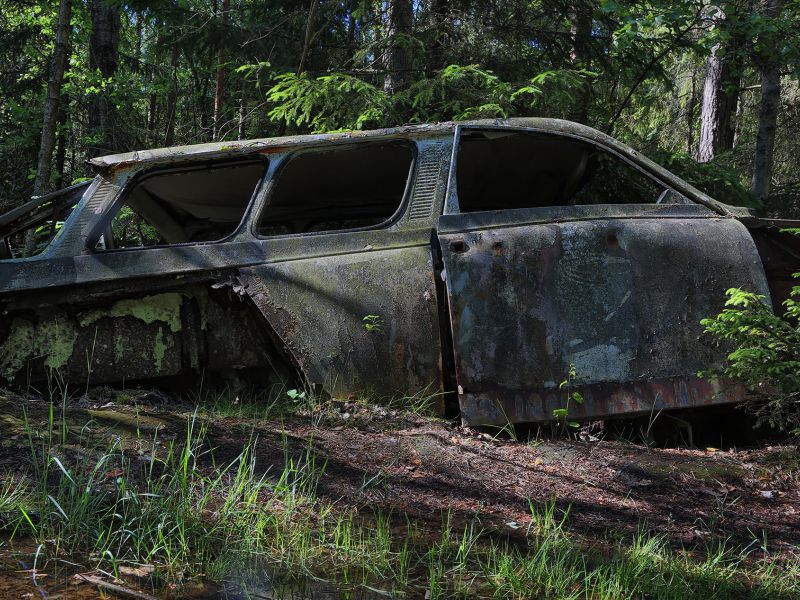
(373, 323)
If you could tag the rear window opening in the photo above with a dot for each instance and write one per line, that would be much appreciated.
(356, 186)
(502, 170)
(203, 203)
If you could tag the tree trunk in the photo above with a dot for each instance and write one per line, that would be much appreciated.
(312, 11)
(691, 105)
(61, 143)
(307, 39)
(103, 58)
(139, 34)
(243, 114)
(720, 96)
(769, 63)
(399, 19)
(375, 9)
(737, 129)
(58, 64)
(152, 108)
(219, 91)
(439, 18)
(580, 34)
(172, 99)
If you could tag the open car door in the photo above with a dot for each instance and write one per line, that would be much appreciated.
(569, 269)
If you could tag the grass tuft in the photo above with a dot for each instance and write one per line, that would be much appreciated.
(173, 508)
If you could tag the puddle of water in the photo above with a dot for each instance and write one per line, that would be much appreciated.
(17, 581)
(54, 582)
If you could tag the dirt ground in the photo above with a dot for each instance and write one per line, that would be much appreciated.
(381, 459)
(428, 468)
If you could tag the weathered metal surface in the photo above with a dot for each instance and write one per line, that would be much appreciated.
(620, 298)
(600, 401)
(144, 336)
(616, 291)
(362, 322)
(173, 155)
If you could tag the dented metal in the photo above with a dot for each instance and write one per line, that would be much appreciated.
(494, 307)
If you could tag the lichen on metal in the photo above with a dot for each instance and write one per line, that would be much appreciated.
(165, 308)
(52, 339)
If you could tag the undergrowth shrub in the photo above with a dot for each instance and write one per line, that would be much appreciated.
(765, 356)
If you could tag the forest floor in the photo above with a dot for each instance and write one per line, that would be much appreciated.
(377, 460)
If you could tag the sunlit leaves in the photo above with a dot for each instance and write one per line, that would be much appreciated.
(764, 353)
(339, 101)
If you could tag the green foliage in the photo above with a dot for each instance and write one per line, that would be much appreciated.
(635, 71)
(295, 394)
(130, 229)
(338, 101)
(373, 323)
(175, 510)
(327, 103)
(719, 181)
(561, 415)
(458, 92)
(765, 356)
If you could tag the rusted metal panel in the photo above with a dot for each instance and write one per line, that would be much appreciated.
(128, 336)
(620, 298)
(600, 401)
(356, 323)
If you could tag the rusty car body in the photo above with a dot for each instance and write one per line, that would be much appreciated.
(486, 259)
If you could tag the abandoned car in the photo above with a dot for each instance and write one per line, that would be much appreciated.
(486, 260)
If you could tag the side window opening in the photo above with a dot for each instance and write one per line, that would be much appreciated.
(29, 229)
(507, 170)
(360, 185)
(203, 203)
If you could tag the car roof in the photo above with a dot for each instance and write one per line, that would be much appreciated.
(278, 144)
(274, 145)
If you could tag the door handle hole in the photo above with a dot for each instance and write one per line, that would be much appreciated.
(458, 246)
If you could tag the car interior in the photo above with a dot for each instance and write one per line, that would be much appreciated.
(353, 186)
(175, 206)
(506, 170)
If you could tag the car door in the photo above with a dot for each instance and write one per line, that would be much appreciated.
(347, 281)
(569, 268)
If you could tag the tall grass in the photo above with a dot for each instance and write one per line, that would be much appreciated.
(173, 506)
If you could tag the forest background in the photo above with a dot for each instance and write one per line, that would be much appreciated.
(710, 90)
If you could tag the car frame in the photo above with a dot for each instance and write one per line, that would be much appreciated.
(506, 311)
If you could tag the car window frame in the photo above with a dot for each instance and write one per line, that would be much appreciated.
(113, 209)
(9, 221)
(396, 216)
(451, 203)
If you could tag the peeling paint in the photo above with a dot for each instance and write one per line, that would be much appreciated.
(119, 347)
(616, 290)
(56, 339)
(619, 298)
(608, 359)
(165, 308)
